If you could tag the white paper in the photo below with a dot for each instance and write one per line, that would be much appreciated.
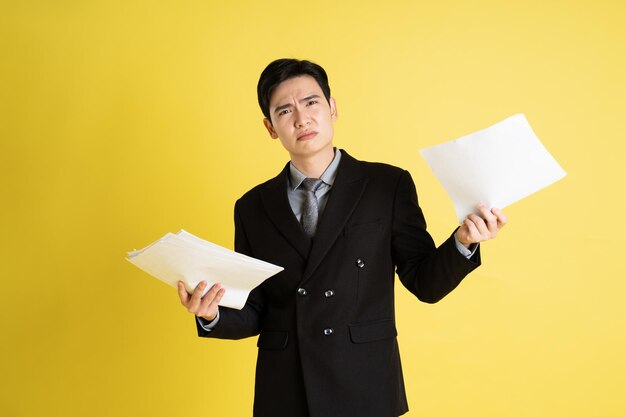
(496, 166)
(185, 257)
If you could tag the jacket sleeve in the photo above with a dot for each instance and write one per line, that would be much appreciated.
(238, 324)
(429, 272)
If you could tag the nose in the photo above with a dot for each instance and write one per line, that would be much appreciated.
(301, 119)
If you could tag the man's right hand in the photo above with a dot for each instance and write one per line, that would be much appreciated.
(205, 307)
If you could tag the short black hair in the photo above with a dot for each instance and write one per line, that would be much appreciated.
(283, 69)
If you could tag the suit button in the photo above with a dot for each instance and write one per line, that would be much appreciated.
(302, 292)
(329, 293)
(328, 331)
(360, 263)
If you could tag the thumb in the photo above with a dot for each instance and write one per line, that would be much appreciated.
(182, 293)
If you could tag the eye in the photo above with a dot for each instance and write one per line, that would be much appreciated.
(283, 112)
(312, 102)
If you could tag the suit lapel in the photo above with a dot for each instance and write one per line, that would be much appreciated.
(276, 204)
(346, 192)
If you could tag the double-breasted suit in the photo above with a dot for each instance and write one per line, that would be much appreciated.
(326, 324)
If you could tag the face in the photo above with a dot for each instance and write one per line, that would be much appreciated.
(301, 117)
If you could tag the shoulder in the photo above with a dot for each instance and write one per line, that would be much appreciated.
(376, 170)
(380, 168)
(274, 186)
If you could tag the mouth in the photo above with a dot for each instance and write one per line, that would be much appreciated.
(307, 135)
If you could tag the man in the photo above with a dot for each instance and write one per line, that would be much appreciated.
(326, 324)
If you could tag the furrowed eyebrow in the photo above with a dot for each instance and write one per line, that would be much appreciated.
(288, 105)
(307, 98)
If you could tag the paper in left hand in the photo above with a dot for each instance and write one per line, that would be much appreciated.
(496, 166)
(185, 257)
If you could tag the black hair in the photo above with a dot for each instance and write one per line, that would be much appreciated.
(283, 69)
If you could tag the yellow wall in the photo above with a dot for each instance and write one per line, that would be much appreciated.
(122, 120)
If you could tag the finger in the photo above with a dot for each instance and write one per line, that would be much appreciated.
(210, 296)
(209, 311)
(214, 305)
(501, 218)
(196, 297)
(219, 296)
(491, 221)
(182, 293)
(473, 235)
(480, 226)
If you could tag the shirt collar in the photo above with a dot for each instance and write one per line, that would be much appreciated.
(328, 177)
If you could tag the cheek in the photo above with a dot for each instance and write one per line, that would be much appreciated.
(281, 127)
(328, 123)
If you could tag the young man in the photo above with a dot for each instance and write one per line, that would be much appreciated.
(326, 324)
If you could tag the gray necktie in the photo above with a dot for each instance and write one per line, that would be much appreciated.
(310, 210)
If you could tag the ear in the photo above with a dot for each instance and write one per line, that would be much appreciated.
(268, 125)
(333, 109)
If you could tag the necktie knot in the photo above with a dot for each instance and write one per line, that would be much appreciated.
(311, 184)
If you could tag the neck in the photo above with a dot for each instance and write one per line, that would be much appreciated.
(313, 166)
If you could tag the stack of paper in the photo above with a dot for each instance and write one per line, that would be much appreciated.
(185, 257)
(496, 166)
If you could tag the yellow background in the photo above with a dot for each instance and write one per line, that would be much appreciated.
(122, 120)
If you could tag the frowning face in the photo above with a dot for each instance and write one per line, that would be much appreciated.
(301, 117)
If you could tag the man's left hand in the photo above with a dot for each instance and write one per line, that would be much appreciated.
(478, 228)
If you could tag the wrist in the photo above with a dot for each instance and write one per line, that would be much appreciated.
(208, 319)
(462, 241)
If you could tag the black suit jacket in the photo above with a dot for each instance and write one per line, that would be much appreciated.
(327, 344)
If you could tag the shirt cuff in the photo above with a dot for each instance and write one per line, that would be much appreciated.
(210, 325)
(468, 253)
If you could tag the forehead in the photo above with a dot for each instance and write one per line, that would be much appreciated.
(294, 88)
